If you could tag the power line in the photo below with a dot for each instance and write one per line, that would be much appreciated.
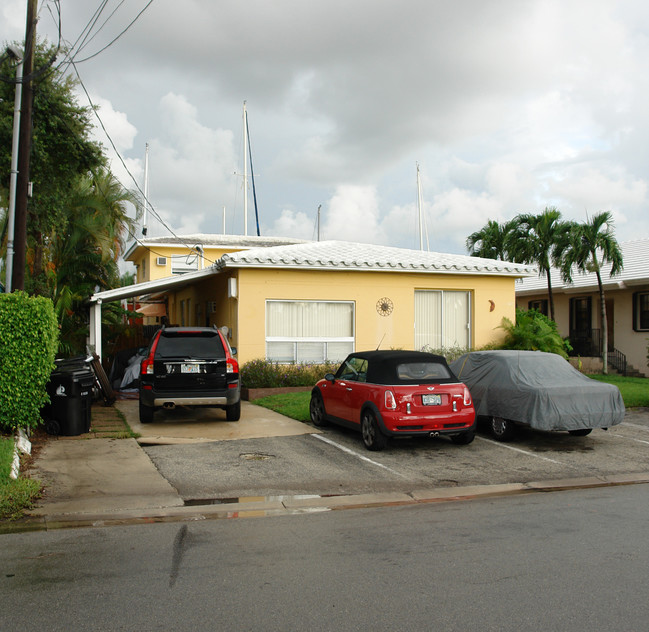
(101, 50)
(146, 201)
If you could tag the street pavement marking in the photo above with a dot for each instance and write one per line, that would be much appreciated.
(511, 447)
(356, 454)
(629, 438)
(627, 423)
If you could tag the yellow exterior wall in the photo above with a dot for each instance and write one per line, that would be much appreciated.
(197, 301)
(492, 298)
(365, 289)
(148, 270)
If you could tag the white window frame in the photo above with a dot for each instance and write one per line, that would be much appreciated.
(298, 341)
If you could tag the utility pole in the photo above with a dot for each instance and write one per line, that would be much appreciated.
(11, 211)
(24, 150)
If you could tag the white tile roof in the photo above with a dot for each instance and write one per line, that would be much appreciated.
(342, 255)
(210, 239)
(635, 255)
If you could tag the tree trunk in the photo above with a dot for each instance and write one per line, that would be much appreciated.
(602, 303)
(550, 296)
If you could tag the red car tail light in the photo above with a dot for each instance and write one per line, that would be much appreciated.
(467, 397)
(232, 366)
(390, 401)
(146, 368)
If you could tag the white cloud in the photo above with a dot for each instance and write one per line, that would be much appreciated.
(13, 18)
(293, 224)
(508, 106)
(353, 215)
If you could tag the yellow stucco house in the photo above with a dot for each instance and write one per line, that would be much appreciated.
(160, 257)
(315, 301)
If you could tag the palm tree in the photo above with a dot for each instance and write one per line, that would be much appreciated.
(589, 247)
(534, 240)
(83, 255)
(491, 241)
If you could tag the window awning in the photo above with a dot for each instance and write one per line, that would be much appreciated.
(152, 309)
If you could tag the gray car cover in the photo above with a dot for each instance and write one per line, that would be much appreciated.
(538, 389)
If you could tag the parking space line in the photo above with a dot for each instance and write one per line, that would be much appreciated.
(629, 438)
(627, 423)
(511, 447)
(356, 454)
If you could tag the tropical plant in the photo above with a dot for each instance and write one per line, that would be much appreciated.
(62, 149)
(533, 331)
(535, 239)
(83, 255)
(492, 241)
(588, 247)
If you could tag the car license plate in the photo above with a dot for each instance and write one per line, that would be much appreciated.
(190, 368)
(431, 400)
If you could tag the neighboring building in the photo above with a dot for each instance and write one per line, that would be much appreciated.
(315, 301)
(160, 257)
(577, 307)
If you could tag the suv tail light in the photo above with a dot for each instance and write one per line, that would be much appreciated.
(390, 401)
(467, 397)
(146, 368)
(232, 366)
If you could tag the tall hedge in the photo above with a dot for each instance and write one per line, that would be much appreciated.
(28, 343)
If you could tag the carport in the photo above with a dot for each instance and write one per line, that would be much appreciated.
(138, 289)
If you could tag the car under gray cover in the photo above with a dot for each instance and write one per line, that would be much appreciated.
(541, 390)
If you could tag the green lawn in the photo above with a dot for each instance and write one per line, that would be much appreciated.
(635, 392)
(18, 494)
(293, 405)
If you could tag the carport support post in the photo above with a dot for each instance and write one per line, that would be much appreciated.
(95, 327)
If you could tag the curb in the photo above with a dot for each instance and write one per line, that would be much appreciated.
(291, 505)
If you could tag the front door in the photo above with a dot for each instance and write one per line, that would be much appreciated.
(581, 326)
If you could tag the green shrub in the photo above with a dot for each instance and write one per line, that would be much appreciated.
(534, 331)
(266, 374)
(450, 353)
(28, 344)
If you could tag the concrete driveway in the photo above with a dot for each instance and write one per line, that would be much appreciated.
(200, 425)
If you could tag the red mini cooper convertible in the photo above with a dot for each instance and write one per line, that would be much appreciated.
(395, 393)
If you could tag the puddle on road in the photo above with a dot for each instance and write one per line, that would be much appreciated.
(195, 502)
(256, 456)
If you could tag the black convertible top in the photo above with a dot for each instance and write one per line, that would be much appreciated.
(405, 367)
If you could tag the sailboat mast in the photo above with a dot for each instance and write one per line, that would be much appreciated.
(420, 216)
(245, 170)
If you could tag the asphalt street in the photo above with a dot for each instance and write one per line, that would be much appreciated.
(573, 560)
(335, 461)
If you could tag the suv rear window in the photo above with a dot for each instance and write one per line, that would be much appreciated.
(205, 345)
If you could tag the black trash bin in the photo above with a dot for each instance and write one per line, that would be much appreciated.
(70, 391)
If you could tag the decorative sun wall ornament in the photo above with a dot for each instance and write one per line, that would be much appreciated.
(384, 306)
